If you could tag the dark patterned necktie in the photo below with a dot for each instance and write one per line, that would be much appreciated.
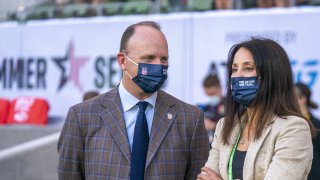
(140, 144)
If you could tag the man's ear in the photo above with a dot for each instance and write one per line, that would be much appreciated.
(121, 61)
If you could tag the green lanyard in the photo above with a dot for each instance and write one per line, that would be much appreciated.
(230, 175)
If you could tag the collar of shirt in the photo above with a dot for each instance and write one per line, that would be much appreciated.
(130, 109)
(128, 100)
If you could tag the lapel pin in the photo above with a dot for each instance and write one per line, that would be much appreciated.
(169, 116)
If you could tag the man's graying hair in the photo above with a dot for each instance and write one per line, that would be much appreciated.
(130, 31)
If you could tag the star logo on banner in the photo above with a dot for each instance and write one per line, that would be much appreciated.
(70, 65)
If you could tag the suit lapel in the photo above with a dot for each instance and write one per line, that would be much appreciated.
(164, 115)
(112, 114)
(253, 151)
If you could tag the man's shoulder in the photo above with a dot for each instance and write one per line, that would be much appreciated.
(95, 102)
(288, 122)
(178, 103)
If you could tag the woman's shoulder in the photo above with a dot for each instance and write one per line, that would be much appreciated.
(290, 121)
(220, 123)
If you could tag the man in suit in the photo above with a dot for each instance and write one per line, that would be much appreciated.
(102, 138)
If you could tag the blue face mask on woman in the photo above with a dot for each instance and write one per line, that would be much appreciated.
(244, 89)
(150, 77)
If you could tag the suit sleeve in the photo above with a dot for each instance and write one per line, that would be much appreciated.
(293, 152)
(213, 159)
(199, 148)
(70, 149)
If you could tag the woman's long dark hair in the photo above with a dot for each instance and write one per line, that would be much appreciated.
(275, 96)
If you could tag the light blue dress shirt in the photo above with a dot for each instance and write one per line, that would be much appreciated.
(131, 110)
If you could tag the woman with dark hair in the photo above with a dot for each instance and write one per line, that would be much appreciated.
(303, 94)
(263, 134)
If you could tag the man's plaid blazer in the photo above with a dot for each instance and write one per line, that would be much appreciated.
(94, 145)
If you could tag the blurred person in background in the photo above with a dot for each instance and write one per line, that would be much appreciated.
(62, 1)
(89, 95)
(58, 10)
(135, 131)
(302, 2)
(223, 4)
(214, 108)
(303, 94)
(282, 3)
(263, 135)
(264, 3)
(177, 5)
(81, 1)
(273, 3)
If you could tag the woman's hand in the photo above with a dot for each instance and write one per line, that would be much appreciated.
(208, 174)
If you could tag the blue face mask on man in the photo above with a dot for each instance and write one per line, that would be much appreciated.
(150, 77)
(244, 89)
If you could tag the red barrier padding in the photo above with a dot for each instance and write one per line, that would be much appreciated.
(29, 110)
(4, 110)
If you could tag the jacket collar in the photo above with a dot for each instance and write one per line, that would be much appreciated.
(112, 114)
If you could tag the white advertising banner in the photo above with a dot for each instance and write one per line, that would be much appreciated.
(297, 30)
(60, 60)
